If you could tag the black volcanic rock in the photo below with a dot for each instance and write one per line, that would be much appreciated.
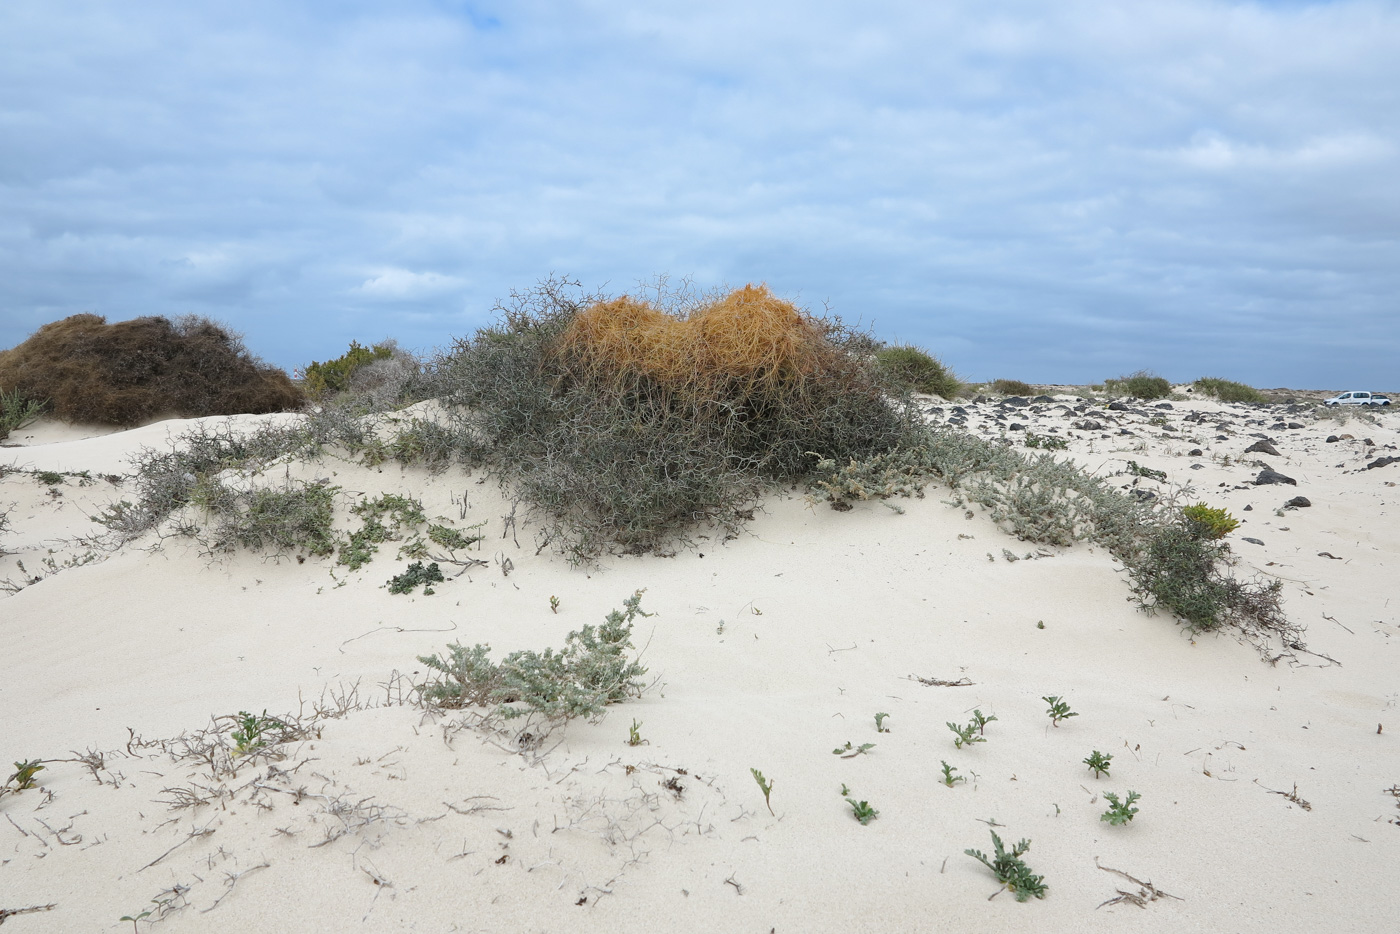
(1268, 475)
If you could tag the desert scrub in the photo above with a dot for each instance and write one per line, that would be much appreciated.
(1011, 387)
(414, 575)
(914, 369)
(276, 521)
(16, 411)
(1143, 385)
(1227, 390)
(592, 671)
(320, 379)
(1045, 442)
(1011, 871)
(624, 424)
(402, 515)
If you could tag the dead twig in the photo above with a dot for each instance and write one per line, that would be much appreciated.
(1147, 892)
(939, 683)
(1290, 795)
(6, 913)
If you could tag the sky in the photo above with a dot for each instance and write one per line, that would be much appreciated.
(1053, 192)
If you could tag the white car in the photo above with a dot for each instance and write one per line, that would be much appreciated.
(1358, 398)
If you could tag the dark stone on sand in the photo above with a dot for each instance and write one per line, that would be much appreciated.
(1088, 424)
(1262, 447)
(1298, 502)
(1252, 541)
(1164, 405)
(1294, 426)
(1247, 508)
(1332, 439)
(1118, 406)
(1382, 462)
(1268, 475)
(1194, 452)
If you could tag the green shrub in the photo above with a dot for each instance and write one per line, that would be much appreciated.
(333, 376)
(295, 518)
(16, 411)
(1140, 385)
(592, 671)
(1011, 387)
(1227, 391)
(134, 371)
(1211, 523)
(414, 575)
(914, 369)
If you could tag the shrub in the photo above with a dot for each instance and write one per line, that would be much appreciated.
(914, 369)
(1140, 385)
(624, 425)
(1227, 391)
(592, 671)
(295, 518)
(1210, 523)
(16, 411)
(1011, 387)
(376, 378)
(134, 371)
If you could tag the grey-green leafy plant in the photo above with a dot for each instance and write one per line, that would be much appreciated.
(16, 411)
(863, 812)
(1058, 709)
(1010, 870)
(880, 723)
(1045, 442)
(453, 539)
(414, 575)
(592, 671)
(966, 735)
(1099, 762)
(765, 786)
(850, 752)
(981, 720)
(1120, 812)
(949, 778)
(1137, 470)
(249, 734)
(23, 777)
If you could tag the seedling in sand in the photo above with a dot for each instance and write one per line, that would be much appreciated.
(1099, 763)
(863, 812)
(554, 604)
(981, 721)
(949, 778)
(1059, 710)
(634, 735)
(24, 774)
(1122, 811)
(251, 727)
(966, 734)
(765, 786)
(850, 752)
(1010, 871)
(880, 723)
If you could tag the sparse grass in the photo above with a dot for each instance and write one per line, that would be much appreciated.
(1143, 385)
(1227, 390)
(916, 370)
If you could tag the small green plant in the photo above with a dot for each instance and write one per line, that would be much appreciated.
(417, 574)
(23, 778)
(850, 752)
(1137, 470)
(949, 778)
(1045, 442)
(1211, 523)
(863, 811)
(1140, 385)
(634, 735)
(48, 477)
(766, 786)
(452, 539)
(1120, 812)
(880, 719)
(16, 411)
(553, 604)
(1010, 870)
(249, 734)
(966, 734)
(980, 720)
(1099, 763)
(1059, 709)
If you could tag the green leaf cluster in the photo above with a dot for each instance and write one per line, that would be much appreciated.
(1010, 870)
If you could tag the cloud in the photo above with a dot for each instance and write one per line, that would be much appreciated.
(1055, 192)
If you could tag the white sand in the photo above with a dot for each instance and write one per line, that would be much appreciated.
(770, 650)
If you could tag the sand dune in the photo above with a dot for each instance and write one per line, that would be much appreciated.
(1264, 803)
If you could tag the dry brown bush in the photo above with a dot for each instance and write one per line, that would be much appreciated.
(133, 371)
